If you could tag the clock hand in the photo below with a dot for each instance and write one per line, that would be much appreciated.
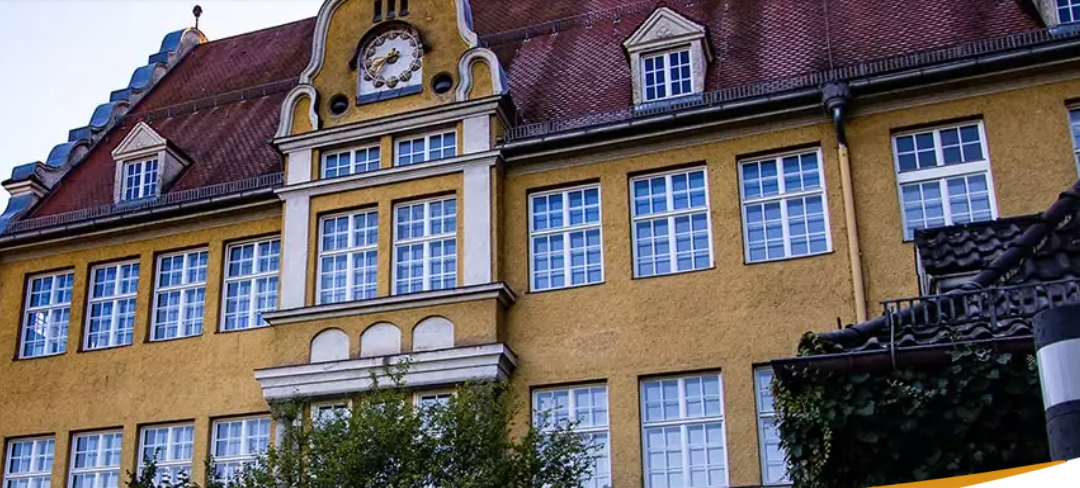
(377, 65)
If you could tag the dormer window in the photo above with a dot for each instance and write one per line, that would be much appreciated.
(667, 75)
(146, 163)
(1068, 11)
(140, 180)
(668, 57)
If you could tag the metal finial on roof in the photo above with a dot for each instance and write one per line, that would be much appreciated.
(198, 13)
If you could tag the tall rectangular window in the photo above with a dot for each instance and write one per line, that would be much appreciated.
(351, 162)
(180, 298)
(944, 177)
(784, 206)
(683, 428)
(348, 257)
(140, 180)
(236, 444)
(251, 283)
(672, 231)
(425, 246)
(171, 448)
(28, 463)
(565, 241)
(667, 75)
(48, 311)
(95, 460)
(111, 307)
(426, 148)
(1068, 11)
(588, 406)
(773, 457)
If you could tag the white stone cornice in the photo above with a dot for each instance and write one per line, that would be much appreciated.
(387, 176)
(498, 291)
(444, 367)
(416, 120)
(140, 141)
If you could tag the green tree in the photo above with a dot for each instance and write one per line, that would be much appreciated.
(385, 441)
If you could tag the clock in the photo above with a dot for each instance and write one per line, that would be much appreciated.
(392, 60)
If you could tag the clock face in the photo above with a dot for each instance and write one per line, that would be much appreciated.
(393, 59)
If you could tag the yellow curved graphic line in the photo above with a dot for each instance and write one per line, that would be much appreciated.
(974, 479)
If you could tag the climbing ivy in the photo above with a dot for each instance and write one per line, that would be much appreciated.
(981, 411)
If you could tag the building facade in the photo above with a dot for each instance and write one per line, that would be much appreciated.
(626, 209)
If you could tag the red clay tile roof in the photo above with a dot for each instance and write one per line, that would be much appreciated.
(225, 143)
(572, 64)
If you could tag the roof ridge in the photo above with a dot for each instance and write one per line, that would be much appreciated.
(257, 31)
(212, 101)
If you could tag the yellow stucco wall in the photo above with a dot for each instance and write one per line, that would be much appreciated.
(191, 379)
(1031, 159)
(437, 23)
(723, 319)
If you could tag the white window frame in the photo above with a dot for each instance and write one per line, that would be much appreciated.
(782, 197)
(182, 288)
(588, 431)
(98, 469)
(41, 475)
(765, 412)
(55, 333)
(168, 462)
(1057, 11)
(942, 172)
(426, 240)
(565, 231)
(666, 55)
(683, 422)
(427, 147)
(147, 179)
(354, 166)
(246, 456)
(670, 215)
(1074, 127)
(116, 298)
(341, 408)
(419, 398)
(254, 315)
(350, 251)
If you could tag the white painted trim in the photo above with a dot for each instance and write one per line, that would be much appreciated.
(499, 83)
(425, 240)
(294, 254)
(298, 169)
(288, 109)
(1058, 364)
(565, 231)
(417, 120)
(663, 32)
(782, 197)
(154, 143)
(476, 134)
(17, 188)
(322, 27)
(476, 245)
(669, 215)
(386, 176)
(685, 420)
(426, 138)
(427, 369)
(464, 23)
(943, 172)
(493, 291)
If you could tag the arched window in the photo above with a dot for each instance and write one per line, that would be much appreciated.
(380, 340)
(330, 345)
(433, 333)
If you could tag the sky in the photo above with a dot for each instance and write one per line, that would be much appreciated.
(62, 58)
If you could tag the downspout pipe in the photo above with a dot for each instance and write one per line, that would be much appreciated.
(834, 98)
